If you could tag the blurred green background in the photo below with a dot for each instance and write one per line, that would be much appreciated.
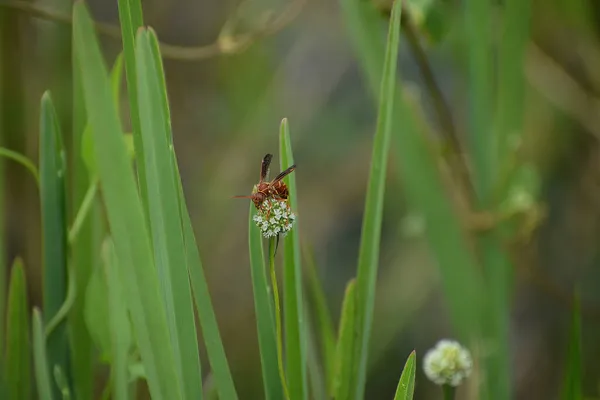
(226, 109)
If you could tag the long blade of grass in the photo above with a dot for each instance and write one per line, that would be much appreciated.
(263, 306)
(324, 322)
(406, 385)
(343, 384)
(368, 256)
(572, 383)
(131, 18)
(295, 331)
(40, 358)
(125, 216)
(17, 364)
(163, 211)
(208, 321)
(54, 228)
(507, 127)
(120, 335)
(425, 189)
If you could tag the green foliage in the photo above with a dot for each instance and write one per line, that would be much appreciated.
(406, 384)
(368, 256)
(17, 362)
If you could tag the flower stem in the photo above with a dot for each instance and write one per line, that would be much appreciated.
(277, 316)
(448, 392)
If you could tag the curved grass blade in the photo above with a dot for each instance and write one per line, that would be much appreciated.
(125, 216)
(164, 213)
(343, 385)
(208, 321)
(368, 256)
(54, 229)
(17, 365)
(406, 385)
(263, 305)
(295, 331)
(40, 359)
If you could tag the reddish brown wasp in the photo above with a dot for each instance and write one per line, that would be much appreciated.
(275, 188)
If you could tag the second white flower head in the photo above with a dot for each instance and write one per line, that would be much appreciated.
(448, 363)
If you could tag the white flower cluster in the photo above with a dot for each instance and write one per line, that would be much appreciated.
(274, 217)
(448, 363)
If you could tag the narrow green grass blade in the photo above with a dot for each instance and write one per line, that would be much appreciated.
(17, 364)
(324, 322)
(368, 256)
(263, 305)
(54, 228)
(406, 385)
(40, 359)
(21, 159)
(295, 331)
(125, 216)
(478, 25)
(426, 193)
(573, 381)
(164, 216)
(131, 19)
(120, 335)
(82, 257)
(208, 321)
(343, 384)
(316, 372)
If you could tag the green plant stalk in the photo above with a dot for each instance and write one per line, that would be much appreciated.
(24, 161)
(263, 305)
(86, 205)
(448, 391)
(572, 388)
(293, 303)
(278, 324)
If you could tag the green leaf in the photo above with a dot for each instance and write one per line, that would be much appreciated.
(54, 228)
(208, 321)
(17, 364)
(368, 256)
(573, 380)
(40, 359)
(164, 213)
(324, 322)
(406, 385)
(118, 321)
(265, 318)
(344, 353)
(295, 331)
(131, 19)
(125, 216)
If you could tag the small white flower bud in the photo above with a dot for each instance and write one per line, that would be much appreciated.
(448, 363)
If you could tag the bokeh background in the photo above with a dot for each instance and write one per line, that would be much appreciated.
(226, 105)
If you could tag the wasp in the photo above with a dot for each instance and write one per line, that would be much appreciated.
(276, 188)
